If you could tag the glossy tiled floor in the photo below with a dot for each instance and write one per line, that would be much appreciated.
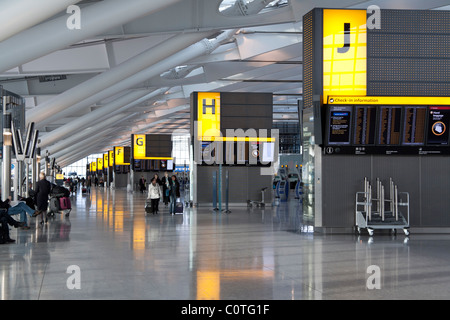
(248, 254)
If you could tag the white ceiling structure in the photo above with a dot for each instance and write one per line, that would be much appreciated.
(132, 65)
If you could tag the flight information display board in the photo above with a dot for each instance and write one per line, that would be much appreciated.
(414, 126)
(339, 125)
(365, 125)
(389, 126)
(387, 129)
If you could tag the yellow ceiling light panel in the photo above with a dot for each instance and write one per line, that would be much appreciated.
(344, 52)
(208, 111)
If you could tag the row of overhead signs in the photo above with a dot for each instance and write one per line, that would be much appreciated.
(381, 91)
(227, 128)
(148, 152)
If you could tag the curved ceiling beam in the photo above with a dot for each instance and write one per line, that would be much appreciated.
(31, 12)
(54, 34)
(202, 47)
(90, 118)
(105, 84)
(86, 133)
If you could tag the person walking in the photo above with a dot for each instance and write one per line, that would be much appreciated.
(154, 194)
(165, 182)
(88, 184)
(43, 188)
(142, 182)
(174, 193)
(158, 180)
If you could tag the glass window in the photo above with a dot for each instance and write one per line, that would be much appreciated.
(180, 149)
(79, 168)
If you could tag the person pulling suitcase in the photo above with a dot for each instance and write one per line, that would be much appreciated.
(154, 194)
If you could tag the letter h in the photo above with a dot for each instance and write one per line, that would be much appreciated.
(212, 105)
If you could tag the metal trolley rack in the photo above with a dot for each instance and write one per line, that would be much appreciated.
(373, 213)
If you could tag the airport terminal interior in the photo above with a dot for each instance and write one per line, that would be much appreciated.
(225, 150)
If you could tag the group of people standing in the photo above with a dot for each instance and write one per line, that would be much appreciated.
(167, 188)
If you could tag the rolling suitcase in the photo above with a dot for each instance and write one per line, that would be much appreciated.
(148, 207)
(179, 208)
(64, 203)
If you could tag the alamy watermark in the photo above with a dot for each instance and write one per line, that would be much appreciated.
(374, 20)
(374, 280)
(253, 147)
(74, 280)
(74, 21)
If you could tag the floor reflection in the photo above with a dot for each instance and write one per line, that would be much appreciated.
(250, 253)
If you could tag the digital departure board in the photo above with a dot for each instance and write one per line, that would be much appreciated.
(389, 126)
(339, 125)
(390, 130)
(365, 125)
(414, 125)
(232, 128)
(438, 123)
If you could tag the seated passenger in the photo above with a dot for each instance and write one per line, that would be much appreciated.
(6, 219)
(18, 208)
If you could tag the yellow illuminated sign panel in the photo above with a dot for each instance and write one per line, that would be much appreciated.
(376, 100)
(111, 158)
(344, 52)
(119, 153)
(59, 176)
(208, 119)
(139, 147)
(94, 166)
(99, 163)
(105, 160)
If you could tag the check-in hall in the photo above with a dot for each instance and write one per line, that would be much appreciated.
(234, 150)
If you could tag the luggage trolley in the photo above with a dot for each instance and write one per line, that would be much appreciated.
(371, 213)
(251, 203)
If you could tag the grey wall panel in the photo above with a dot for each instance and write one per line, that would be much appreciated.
(342, 177)
(205, 183)
(426, 179)
(435, 191)
(121, 181)
(244, 183)
(405, 172)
